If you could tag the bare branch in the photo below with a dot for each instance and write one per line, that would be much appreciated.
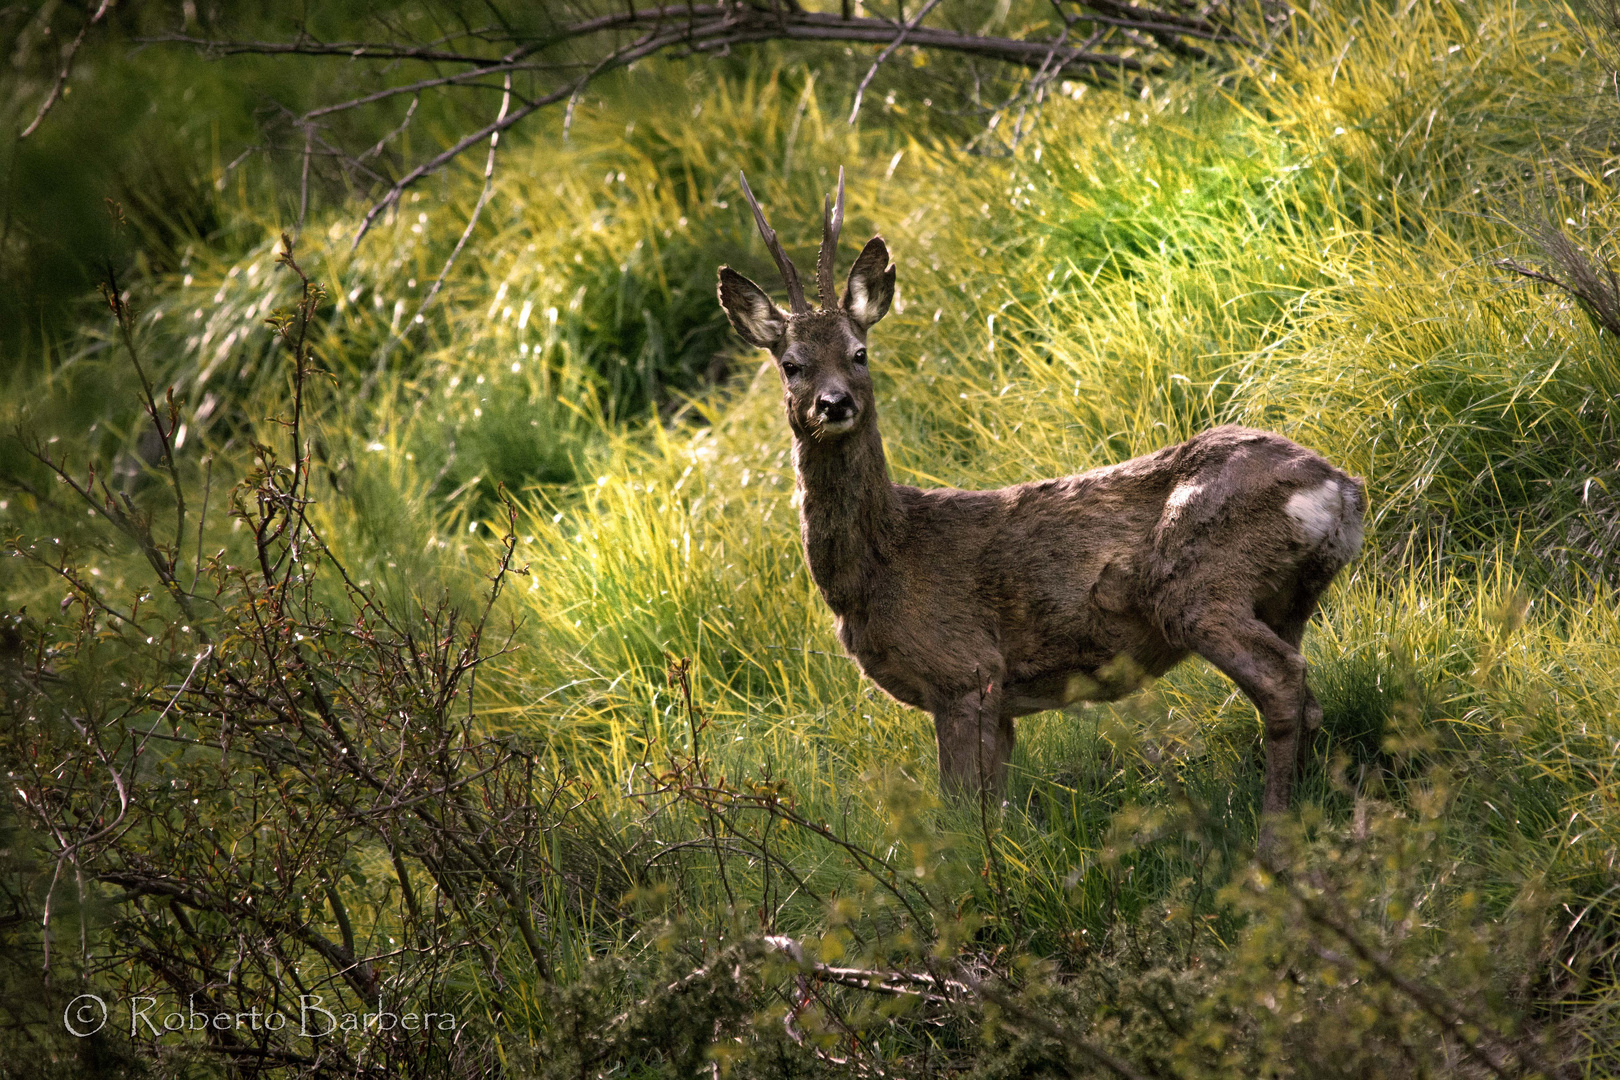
(567, 56)
(472, 220)
(888, 51)
(462, 79)
(60, 84)
(434, 163)
(396, 133)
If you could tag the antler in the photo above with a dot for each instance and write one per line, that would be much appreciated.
(790, 276)
(832, 220)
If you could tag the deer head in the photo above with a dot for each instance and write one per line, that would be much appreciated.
(820, 352)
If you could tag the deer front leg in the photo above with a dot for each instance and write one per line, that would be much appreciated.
(975, 742)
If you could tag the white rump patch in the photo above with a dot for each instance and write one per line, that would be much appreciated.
(1316, 510)
(1328, 516)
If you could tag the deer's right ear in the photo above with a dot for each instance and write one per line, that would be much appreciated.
(760, 323)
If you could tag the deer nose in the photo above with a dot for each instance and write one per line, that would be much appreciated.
(836, 406)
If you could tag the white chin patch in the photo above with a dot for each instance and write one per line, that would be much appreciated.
(836, 427)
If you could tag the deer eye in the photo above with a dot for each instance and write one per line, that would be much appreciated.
(860, 357)
(790, 370)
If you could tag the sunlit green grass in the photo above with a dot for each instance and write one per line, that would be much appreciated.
(1306, 247)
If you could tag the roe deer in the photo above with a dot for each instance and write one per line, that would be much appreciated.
(980, 606)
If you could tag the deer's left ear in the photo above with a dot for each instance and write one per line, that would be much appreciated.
(871, 284)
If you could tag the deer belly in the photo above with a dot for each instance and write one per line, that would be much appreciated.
(1113, 678)
(1055, 690)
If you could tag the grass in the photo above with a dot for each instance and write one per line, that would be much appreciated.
(1306, 246)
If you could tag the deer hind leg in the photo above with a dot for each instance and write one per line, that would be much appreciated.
(1271, 673)
(1289, 624)
(975, 742)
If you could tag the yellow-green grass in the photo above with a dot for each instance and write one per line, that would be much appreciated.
(1211, 250)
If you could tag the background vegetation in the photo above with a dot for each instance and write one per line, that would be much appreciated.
(671, 830)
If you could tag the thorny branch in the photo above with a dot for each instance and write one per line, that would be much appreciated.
(1503, 1056)
(299, 731)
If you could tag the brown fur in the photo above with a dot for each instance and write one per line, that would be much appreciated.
(981, 606)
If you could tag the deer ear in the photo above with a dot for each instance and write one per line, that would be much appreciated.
(760, 323)
(871, 284)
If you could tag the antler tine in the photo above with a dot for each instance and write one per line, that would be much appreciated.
(790, 275)
(832, 220)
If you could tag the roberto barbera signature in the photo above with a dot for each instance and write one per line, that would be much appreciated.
(87, 1014)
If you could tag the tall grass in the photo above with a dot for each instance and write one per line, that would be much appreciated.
(1306, 246)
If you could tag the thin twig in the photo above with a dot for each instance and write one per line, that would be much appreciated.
(60, 85)
(714, 28)
(403, 124)
(466, 234)
(303, 182)
(899, 39)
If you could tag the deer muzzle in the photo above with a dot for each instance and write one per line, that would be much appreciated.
(835, 413)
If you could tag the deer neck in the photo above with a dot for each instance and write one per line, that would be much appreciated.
(848, 515)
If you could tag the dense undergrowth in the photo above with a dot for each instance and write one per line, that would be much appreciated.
(756, 875)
